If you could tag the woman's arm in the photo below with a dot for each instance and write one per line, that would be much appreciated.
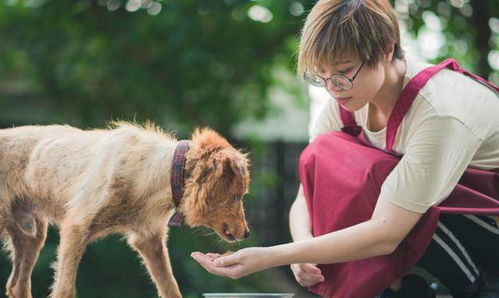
(299, 219)
(378, 236)
(306, 274)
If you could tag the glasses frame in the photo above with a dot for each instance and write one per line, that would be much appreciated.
(319, 81)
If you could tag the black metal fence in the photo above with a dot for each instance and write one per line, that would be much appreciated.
(274, 187)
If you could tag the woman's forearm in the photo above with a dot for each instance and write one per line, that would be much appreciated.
(380, 235)
(361, 241)
(299, 220)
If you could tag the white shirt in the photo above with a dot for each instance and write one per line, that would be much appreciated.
(453, 123)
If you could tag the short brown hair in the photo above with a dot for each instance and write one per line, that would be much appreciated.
(334, 27)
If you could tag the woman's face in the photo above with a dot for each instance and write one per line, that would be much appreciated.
(366, 83)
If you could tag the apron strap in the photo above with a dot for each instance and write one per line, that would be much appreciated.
(406, 99)
(349, 124)
(411, 91)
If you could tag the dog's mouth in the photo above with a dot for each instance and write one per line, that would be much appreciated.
(227, 235)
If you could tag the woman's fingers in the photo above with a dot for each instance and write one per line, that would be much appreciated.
(203, 260)
(233, 265)
(309, 279)
(198, 255)
(311, 268)
(232, 271)
(213, 256)
(227, 260)
(307, 274)
(217, 260)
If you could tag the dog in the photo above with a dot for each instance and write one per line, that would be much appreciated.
(91, 183)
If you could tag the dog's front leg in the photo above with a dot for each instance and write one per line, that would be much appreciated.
(71, 247)
(152, 249)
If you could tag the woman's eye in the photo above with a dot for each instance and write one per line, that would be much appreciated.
(345, 71)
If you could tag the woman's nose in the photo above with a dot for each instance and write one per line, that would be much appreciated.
(331, 87)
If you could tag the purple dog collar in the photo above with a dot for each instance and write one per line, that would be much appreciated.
(177, 181)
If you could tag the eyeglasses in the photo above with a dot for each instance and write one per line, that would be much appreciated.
(339, 80)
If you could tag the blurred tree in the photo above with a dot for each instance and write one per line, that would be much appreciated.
(468, 30)
(188, 62)
(195, 62)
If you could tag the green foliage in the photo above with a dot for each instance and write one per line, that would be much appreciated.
(466, 28)
(195, 63)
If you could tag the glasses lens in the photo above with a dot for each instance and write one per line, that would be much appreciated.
(314, 80)
(341, 82)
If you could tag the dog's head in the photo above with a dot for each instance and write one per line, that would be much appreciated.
(218, 179)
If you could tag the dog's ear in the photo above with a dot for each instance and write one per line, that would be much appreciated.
(232, 171)
(208, 139)
(223, 174)
(234, 159)
(239, 165)
(226, 164)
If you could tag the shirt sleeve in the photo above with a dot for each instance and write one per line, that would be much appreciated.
(436, 157)
(329, 120)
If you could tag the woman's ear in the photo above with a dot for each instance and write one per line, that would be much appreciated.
(388, 56)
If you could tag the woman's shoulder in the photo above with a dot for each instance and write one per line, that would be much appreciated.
(447, 82)
(452, 94)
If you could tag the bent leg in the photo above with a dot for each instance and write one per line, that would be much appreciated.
(463, 253)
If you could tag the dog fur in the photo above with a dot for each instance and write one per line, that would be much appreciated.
(90, 183)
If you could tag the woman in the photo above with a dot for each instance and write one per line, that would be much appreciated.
(438, 127)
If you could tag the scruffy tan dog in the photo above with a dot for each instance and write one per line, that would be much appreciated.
(117, 180)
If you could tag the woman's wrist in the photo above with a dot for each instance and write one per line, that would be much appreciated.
(270, 257)
(280, 255)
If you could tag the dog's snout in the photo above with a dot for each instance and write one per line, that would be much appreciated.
(235, 233)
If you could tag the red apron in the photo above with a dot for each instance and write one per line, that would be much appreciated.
(342, 177)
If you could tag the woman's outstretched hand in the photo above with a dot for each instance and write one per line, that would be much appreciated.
(234, 265)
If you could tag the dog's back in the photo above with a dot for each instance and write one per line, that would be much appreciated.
(16, 148)
(59, 167)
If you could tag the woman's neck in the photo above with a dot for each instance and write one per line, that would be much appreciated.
(384, 101)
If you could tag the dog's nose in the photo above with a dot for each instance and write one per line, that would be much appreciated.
(246, 234)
